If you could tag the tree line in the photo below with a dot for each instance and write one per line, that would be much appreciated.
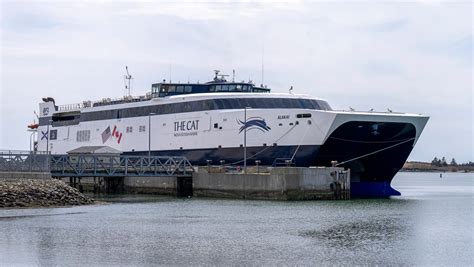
(443, 163)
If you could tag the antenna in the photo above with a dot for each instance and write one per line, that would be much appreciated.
(263, 55)
(233, 75)
(217, 74)
(170, 72)
(128, 77)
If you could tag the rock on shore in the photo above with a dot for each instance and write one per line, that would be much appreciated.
(39, 193)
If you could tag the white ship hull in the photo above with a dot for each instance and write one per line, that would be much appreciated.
(298, 134)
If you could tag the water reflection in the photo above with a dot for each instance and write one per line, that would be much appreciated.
(417, 229)
(356, 235)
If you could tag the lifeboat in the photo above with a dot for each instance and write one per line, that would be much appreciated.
(33, 126)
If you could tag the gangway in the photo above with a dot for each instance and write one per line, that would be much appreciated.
(91, 165)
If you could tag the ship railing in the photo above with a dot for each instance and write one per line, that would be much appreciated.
(104, 102)
(69, 107)
(369, 111)
(126, 99)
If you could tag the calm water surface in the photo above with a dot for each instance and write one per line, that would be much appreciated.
(430, 224)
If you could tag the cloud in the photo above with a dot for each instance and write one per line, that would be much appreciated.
(414, 57)
(389, 26)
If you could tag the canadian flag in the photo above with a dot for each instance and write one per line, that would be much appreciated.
(117, 134)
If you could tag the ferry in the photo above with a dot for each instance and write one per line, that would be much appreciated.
(216, 122)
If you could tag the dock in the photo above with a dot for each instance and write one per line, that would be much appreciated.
(273, 183)
(175, 176)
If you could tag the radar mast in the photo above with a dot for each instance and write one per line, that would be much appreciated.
(127, 79)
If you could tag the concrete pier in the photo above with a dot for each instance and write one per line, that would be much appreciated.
(175, 176)
(180, 186)
(265, 183)
(163, 185)
(276, 184)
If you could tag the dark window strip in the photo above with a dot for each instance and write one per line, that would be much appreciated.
(192, 106)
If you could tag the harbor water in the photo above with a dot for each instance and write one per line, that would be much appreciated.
(430, 224)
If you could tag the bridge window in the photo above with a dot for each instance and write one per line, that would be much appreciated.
(155, 90)
(179, 89)
(225, 88)
(324, 105)
(188, 89)
(172, 89)
(232, 87)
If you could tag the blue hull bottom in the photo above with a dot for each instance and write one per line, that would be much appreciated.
(372, 190)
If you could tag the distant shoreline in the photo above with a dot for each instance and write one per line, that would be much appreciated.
(415, 166)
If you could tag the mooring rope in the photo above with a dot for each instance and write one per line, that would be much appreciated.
(371, 153)
(299, 144)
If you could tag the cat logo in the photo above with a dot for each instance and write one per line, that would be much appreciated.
(45, 111)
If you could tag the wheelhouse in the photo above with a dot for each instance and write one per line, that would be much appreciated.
(219, 84)
(169, 89)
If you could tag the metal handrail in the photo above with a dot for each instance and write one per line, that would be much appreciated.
(23, 161)
(86, 165)
(21, 152)
(94, 165)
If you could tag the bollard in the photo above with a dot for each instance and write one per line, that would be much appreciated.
(208, 165)
(257, 162)
(222, 162)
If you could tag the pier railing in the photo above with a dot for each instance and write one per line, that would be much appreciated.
(23, 161)
(94, 165)
(118, 166)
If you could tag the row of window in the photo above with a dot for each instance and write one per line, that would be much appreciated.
(83, 136)
(162, 90)
(230, 88)
(141, 129)
(213, 88)
(201, 105)
(176, 88)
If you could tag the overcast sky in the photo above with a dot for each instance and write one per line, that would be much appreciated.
(407, 56)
